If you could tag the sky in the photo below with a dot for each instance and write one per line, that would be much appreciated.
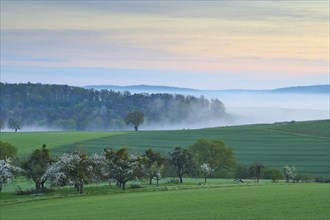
(193, 44)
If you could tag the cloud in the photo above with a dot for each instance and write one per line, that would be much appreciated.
(262, 38)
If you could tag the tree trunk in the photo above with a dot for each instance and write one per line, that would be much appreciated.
(81, 186)
(157, 182)
(76, 186)
(124, 186)
(180, 177)
(37, 185)
(150, 181)
(43, 185)
(136, 128)
(204, 179)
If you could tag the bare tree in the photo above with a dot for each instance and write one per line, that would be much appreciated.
(15, 124)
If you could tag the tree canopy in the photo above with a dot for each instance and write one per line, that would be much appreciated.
(15, 123)
(36, 166)
(7, 151)
(214, 153)
(135, 118)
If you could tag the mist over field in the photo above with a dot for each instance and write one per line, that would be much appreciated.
(255, 107)
(247, 108)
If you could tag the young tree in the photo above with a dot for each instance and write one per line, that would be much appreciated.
(7, 172)
(182, 159)
(206, 171)
(7, 151)
(15, 124)
(289, 173)
(135, 118)
(256, 170)
(36, 166)
(154, 160)
(158, 171)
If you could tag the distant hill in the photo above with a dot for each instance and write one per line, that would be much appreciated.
(304, 89)
(313, 89)
(141, 88)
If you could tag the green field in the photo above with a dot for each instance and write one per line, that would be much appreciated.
(26, 142)
(247, 201)
(302, 144)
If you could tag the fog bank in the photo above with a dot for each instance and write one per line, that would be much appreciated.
(258, 108)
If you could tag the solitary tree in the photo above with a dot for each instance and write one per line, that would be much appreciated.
(15, 124)
(182, 159)
(136, 118)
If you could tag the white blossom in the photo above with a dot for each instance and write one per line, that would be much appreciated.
(7, 172)
(206, 170)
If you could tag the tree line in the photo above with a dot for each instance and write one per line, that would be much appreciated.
(204, 159)
(75, 108)
(78, 167)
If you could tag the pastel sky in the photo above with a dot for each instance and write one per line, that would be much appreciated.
(196, 44)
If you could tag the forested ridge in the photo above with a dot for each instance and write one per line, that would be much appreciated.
(75, 108)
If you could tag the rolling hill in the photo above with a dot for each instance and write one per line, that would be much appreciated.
(302, 144)
(313, 89)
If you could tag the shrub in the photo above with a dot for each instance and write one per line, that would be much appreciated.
(273, 174)
(322, 179)
(172, 181)
(135, 186)
(241, 172)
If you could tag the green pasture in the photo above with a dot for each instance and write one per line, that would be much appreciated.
(316, 128)
(264, 201)
(302, 144)
(26, 142)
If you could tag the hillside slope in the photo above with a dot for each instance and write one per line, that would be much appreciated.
(302, 144)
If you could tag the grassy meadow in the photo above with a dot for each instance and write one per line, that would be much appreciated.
(188, 201)
(302, 144)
